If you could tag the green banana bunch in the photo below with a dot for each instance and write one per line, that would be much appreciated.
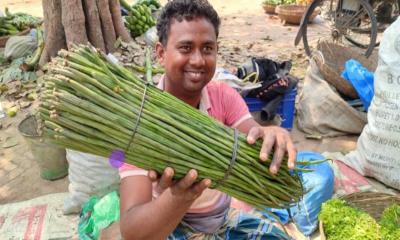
(7, 28)
(152, 4)
(11, 24)
(139, 19)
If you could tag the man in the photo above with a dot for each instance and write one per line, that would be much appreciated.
(183, 209)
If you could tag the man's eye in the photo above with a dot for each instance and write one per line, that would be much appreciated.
(208, 49)
(185, 48)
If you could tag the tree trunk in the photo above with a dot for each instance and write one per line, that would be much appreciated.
(119, 27)
(73, 19)
(69, 22)
(54, 34)
(93, 24)
(107, 24)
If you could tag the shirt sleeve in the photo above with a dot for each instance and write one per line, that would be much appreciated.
(128, 170)
(236, 110)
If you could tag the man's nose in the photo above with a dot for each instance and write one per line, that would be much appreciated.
(197, 59)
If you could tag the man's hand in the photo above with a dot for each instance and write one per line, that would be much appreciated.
(185, 189)
(277, 138)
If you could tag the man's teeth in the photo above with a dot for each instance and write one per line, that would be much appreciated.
(196, 74)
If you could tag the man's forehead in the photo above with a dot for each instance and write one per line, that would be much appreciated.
(184, 31)
(178, 23)
(189, 19)
(182, 40)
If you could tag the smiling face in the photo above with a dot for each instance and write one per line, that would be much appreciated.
(189, 57)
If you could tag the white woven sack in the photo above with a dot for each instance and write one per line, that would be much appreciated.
(89, 175)
(378, 148)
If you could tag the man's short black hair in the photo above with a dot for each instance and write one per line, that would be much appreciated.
(185, 10)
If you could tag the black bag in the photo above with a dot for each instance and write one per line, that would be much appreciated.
(275, 82)
(268, 112)
(272, 75)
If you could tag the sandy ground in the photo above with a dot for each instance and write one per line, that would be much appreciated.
(33, 7)
(246, 30)
(226, 7)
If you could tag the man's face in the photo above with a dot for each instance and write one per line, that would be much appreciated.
(189, 57)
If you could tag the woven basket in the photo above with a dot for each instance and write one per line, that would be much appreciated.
(331, 59)
(372, 203)
(4, 39)
(269, 8)
(293, 13)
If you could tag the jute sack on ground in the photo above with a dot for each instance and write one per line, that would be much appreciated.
(322, 111)
(378, 148)
(39, 218)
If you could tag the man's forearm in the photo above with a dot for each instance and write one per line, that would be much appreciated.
(153, 220)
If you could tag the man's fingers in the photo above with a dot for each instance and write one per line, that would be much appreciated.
(152, 175)
(280, 150)
(254, 134)
(166, 179)
(292, 153)
(201, 186)
(185, 182)
(268, 143)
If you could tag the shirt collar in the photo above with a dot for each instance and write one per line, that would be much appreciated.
(205, 104)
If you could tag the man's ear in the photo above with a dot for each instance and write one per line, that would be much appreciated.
(160, 53)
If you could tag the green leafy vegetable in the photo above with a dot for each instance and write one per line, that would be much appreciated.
(341, 221)
(14, 72)
(273, 2)
(390, 222)
(279, 2)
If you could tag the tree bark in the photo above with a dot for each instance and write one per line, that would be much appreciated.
(69, 22)
(119, 27)
(54, 31)
(73, 19)
(93, 24)
(107, 24)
